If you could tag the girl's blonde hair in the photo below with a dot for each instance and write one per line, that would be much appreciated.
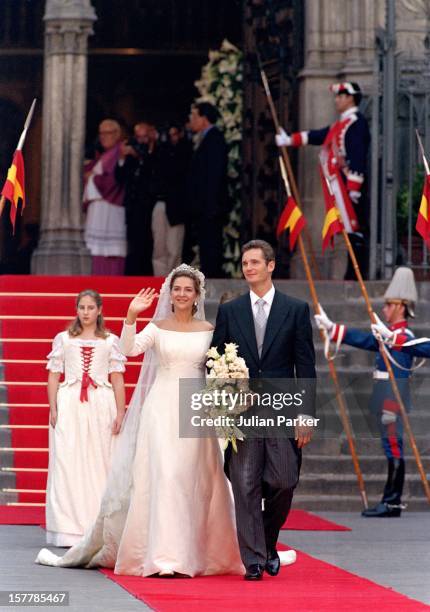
(75, 328)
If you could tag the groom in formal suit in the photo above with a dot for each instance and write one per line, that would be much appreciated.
(274, 335)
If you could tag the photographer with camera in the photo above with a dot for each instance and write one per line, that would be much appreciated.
(137, 170)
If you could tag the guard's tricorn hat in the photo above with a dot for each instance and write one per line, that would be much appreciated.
(402, 289)
(352, 89)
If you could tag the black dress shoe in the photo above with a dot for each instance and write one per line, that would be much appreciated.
(254, 572)
(383, 510)
(273, 563)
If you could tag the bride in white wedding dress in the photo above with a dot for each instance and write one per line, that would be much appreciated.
(167, 508)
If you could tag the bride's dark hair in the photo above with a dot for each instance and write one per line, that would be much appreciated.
(193, 277)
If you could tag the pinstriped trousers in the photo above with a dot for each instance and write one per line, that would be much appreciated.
(262, 468)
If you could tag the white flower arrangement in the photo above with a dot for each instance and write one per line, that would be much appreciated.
(221, 84)
(227, 373)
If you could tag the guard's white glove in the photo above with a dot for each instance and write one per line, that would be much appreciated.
(388, 417)
(354, 196)
(323, 322)
(283, 139)
(381, 331)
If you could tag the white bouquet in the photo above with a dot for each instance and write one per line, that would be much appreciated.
(227, 379)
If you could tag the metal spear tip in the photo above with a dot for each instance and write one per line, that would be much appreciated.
(421, 146)
(30, 114)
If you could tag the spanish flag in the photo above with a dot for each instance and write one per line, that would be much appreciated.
(332, 220)
(423, 219)
(291, 219)
(13, 189)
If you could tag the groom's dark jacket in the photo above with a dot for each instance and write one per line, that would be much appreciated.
(288, 350)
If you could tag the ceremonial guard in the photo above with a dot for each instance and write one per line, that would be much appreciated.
(400, 299)
(343, 161)
(417, 347)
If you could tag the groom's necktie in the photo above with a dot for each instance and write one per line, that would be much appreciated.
(260, 322)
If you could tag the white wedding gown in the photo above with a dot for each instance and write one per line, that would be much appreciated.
(179, 516)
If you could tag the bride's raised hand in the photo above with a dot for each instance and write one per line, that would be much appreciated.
(140, 303)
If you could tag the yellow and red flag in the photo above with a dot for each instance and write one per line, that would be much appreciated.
(332, 221)
(423, 219)
(14, 188)
(291, 219)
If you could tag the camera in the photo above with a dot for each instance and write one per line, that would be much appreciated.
(141, 148)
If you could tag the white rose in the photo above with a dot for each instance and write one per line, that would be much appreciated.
(230, 347)
(212, 353)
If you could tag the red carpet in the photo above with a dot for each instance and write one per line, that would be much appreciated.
(300, 520)
(33, 309)
(17, 515)
(309, 585)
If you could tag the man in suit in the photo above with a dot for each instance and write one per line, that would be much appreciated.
(137, 170)
(169, 213)
(208, 187)
(274, 335)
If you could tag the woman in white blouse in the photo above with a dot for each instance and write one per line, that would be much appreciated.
(86, 412)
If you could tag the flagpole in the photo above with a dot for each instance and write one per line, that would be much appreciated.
(343, 411)
(425, 162)
(383, 354)
(286, 161)
(21, 143)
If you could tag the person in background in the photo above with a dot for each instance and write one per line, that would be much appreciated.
(208, 199)
(103, 199)
(136, 171)
(400, 299)
(345, 146)
(169, 213)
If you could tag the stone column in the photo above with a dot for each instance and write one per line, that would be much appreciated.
(61, 250)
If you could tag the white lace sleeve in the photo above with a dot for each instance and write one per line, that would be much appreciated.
(56, 356)
(117, 360)
(132, 344)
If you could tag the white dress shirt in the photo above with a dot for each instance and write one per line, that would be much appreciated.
(268, 300)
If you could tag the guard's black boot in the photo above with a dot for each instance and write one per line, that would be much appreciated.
(391, 505)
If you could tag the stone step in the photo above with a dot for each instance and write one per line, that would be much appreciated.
(351, 357)
(365, 446)
(328, 291)
(6, 498)
(369, 464)
(4, 439)
(346, 484)
(365, 375)
(352, 313)
(7, 480)
(350, 503)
